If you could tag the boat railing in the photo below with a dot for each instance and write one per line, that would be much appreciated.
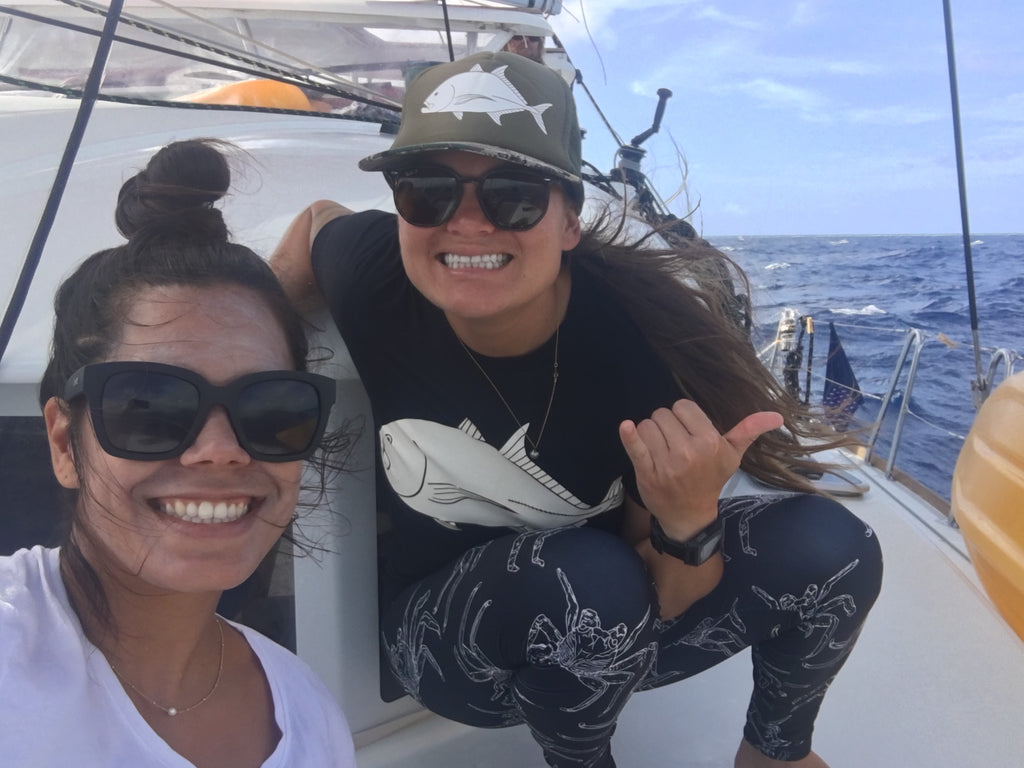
(890, 422)
(912, 345)
(1008, 358)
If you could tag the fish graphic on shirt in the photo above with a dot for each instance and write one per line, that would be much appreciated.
(454, 476)
(489, 93)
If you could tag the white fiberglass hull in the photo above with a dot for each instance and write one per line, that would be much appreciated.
(292, 161)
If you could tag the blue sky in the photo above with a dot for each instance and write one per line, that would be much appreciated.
(811, 117)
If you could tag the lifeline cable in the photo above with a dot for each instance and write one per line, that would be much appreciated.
(76, 93)
(264, 68)
(35, 251)
(268, 68)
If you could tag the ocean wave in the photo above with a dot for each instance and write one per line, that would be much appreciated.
(844, 241)
(909, 275)
(870, 309)
(778, 265)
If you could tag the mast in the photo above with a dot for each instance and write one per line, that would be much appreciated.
(979, 386)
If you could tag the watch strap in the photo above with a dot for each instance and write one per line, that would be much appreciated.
(696, 550)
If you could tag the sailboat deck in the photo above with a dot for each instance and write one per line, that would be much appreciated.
(935, 680)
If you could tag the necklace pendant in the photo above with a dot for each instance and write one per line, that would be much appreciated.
(172, 711)
(534, 453)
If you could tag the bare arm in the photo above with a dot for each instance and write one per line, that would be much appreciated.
(292, 260)
(682, 463)
(679, 585)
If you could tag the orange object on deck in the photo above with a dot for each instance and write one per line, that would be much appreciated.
(988, 498)
(254, 93)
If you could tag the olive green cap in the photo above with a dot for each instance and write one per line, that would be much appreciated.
(496, 104)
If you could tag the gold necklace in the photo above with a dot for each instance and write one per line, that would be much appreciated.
(535, 449)
(172, 711)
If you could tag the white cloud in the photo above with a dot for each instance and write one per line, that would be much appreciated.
(896, 114)
(1008, 108)
(711, 13)
(853, 67)
(579, 16)
(856, 111)
(804, 14)
(774, 93)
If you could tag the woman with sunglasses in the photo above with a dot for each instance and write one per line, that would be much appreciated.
(558, 412)
(179, 413)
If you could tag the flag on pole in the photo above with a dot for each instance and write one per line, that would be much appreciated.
(842, 395)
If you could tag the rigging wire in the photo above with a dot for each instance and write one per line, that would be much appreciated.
(76, 93)
(262, 71)
(35, 251)
(266, 64)
(332, 76)
(448, 30)
(590, 36)
(579, 79)
(979, 386)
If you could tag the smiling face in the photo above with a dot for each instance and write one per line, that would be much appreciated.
(480, 275)
(526, 45)
(132, 512)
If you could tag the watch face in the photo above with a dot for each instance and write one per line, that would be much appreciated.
(696, 550)
(709, 547)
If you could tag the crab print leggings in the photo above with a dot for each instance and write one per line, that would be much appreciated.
(558, 628)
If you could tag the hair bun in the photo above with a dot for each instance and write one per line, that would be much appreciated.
(173, 197)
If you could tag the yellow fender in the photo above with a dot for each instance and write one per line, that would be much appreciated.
(253, 93)
(988, 498)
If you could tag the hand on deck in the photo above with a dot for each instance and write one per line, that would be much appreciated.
(682, 462)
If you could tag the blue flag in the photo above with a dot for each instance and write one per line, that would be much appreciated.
(842, 395)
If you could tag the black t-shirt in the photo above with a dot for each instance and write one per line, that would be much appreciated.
(450, 453)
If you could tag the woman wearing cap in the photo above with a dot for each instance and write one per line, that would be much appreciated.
(557, 416)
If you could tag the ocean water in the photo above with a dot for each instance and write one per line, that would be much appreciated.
(873, 288)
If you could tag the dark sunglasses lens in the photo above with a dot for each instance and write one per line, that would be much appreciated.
(278, 418)
(147, 412)
(513, 200)
(426, 201)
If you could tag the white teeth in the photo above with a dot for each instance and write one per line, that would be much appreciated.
(204, 511)
(484, 261)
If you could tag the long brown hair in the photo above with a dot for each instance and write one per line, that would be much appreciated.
(683, 297)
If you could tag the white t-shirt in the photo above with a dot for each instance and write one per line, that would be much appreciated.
(61, 705)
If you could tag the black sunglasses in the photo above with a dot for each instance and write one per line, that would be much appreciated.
(150, 411)
(511, 198)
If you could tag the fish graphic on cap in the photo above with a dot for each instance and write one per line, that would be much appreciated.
(489, 93)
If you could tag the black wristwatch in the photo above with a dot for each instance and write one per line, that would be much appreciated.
(696, 550)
